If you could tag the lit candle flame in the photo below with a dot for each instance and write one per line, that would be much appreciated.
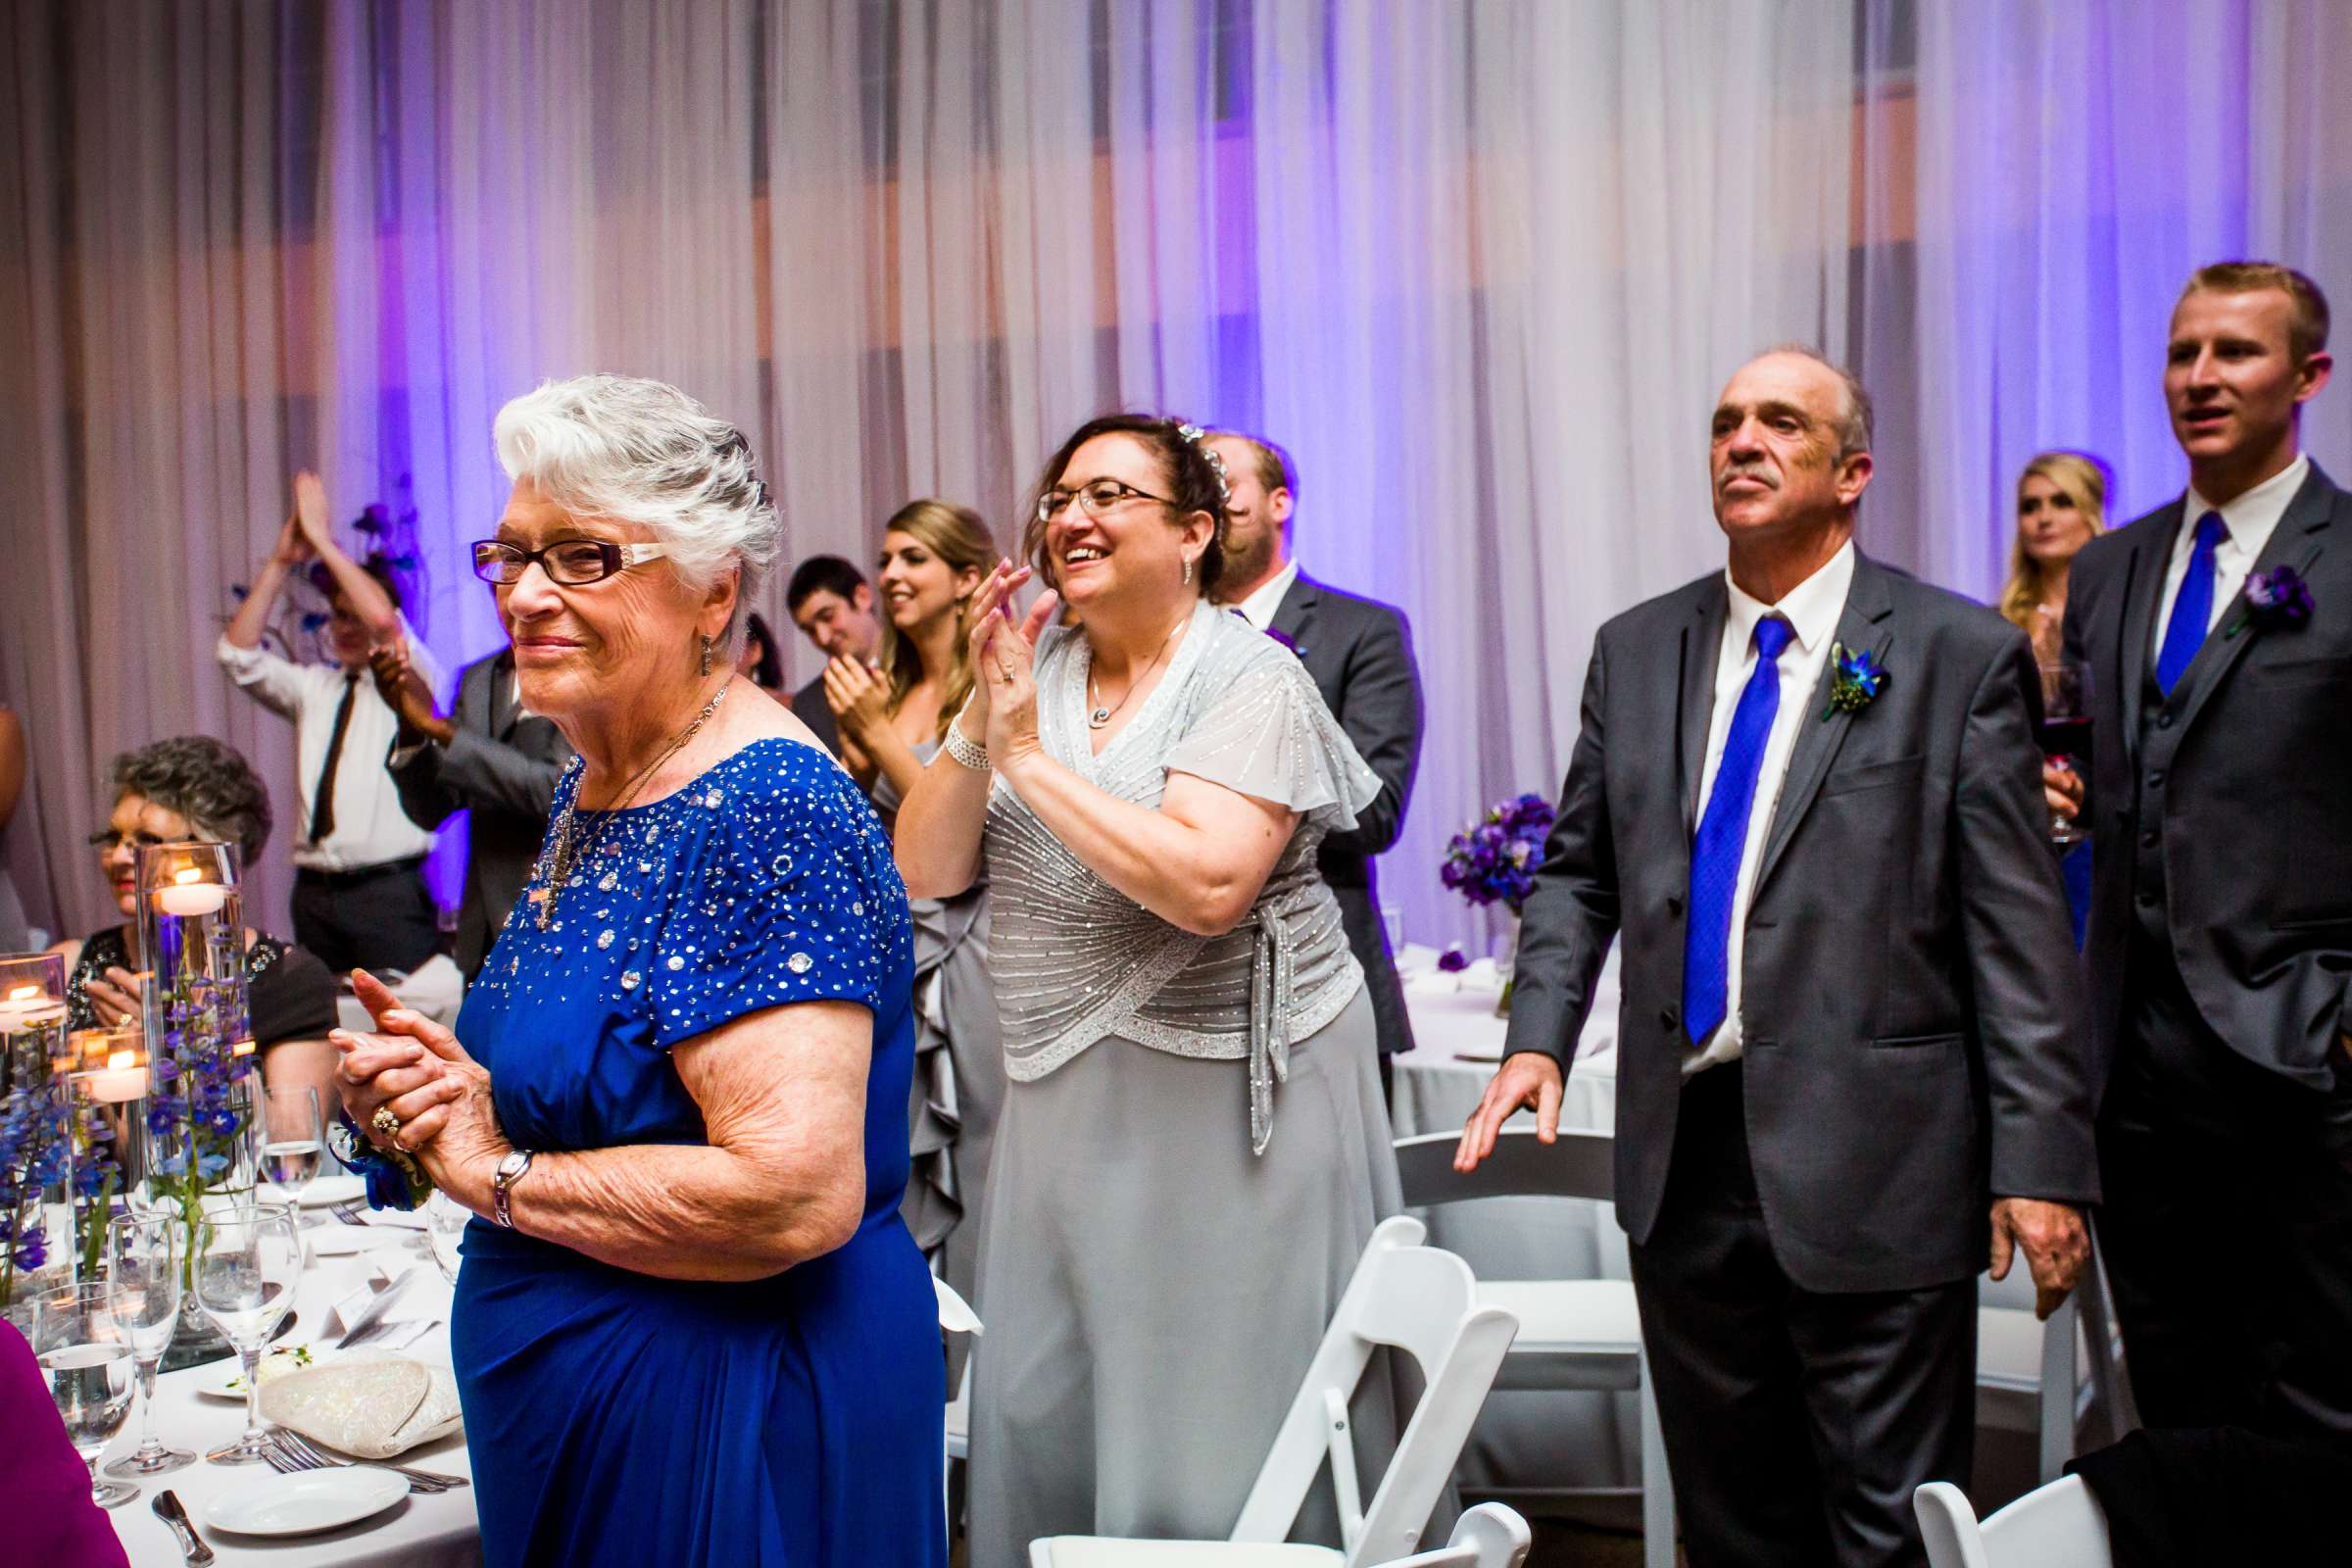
(187, 875)
(123, 1058)
(22, 993)
(243, 1048)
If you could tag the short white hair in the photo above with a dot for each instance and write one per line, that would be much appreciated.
(631, 449)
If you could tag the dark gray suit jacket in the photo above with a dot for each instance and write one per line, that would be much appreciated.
(1913, 1041)
(501, 767)
(1361, 654)
(2247, 774)
(808, 705)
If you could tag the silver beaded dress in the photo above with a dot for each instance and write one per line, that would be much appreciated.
(1193, 1151)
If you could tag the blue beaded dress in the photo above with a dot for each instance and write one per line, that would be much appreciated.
(613, 1417)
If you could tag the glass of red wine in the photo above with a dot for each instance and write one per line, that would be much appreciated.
(2066, 732)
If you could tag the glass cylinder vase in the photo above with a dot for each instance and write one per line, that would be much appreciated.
(109, 1079)
(202, 1149)
(37, 1130)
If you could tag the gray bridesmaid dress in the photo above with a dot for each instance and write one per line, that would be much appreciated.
(958, 1077)
(1192, 1152)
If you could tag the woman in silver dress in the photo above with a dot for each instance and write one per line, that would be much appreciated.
(935, 556)
(1192, 1152)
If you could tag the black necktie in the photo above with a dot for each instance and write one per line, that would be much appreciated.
(323, 800)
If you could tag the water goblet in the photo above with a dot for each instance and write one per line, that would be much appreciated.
(247, 1263)
(445, 1220)
(88, 1363)
(146, 1259)
(292, 1137)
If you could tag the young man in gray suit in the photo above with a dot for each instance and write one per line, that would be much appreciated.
(1361, 654)
(2217, 634)
(1806, 794)
(490, 757)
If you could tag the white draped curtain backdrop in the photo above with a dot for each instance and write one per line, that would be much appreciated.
(1481, 265)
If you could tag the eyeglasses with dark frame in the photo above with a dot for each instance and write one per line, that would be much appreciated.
(569, 562)
(107, 840)
(1094, 498)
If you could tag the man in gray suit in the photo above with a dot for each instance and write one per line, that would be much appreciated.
(490, 757)
(2221, 917)
(1806, 794)
(1360, 653)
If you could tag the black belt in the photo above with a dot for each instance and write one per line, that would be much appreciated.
(358, 873)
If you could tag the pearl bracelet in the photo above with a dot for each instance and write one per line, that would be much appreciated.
(968, 754)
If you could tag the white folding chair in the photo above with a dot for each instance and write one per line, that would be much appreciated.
(1489, 1535)
(1573, 1334)
(2057, 1525)
(2044, 1376)
(955, 1316)
(1404, 1296)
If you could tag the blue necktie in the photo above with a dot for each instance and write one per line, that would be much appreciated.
(1722, 840)
(2184, 633)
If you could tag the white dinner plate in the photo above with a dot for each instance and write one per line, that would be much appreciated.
(328, 1190)
(306, 1501)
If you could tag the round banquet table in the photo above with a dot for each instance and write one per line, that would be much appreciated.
(417, 1532)
(1526, 1440)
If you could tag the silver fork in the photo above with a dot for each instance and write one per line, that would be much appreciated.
(297, 1454)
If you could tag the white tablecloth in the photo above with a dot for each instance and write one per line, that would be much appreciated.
(417, 1532)
(1524, 1439)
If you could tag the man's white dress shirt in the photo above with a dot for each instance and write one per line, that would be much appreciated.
(1259, 609)
(2247, 524)
(370, 828)
(1812, 610)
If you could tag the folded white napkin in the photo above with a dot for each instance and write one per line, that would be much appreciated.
(371, 1407)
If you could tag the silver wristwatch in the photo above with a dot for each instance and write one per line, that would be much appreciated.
(511, 1170)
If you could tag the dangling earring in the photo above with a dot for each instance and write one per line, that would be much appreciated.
(706, 656)
(1188, 573)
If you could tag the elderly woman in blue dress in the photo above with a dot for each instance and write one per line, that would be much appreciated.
(691, 1327)
(1191, 1153)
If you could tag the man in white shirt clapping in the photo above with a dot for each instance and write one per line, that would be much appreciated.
(359, 897)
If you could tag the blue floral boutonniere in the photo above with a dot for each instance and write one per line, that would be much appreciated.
(2275, 599)
(1854, 680)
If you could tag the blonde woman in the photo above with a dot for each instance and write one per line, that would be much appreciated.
(934, 556)
(2061, 506)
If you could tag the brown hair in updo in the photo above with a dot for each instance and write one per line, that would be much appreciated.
(1194, 483)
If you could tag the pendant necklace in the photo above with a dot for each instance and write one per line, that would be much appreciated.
(566, 852)
(1099, 715)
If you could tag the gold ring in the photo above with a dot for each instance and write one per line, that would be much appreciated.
(386, 1124)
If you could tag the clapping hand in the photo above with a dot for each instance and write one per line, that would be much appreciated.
(859, 698)
(414, 1068)
(292, 549)
(1004, 659)
(310, 513)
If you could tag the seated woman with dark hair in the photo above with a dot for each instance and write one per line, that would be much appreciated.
(197, 788)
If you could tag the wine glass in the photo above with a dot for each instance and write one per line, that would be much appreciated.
(445, 1220)
(2066, 732)
(145, 1260)
(292, 1137)
(247, 1262)
(88, 1362)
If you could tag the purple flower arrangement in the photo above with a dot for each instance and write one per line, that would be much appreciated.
(1494, 859)
(35, 1154)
